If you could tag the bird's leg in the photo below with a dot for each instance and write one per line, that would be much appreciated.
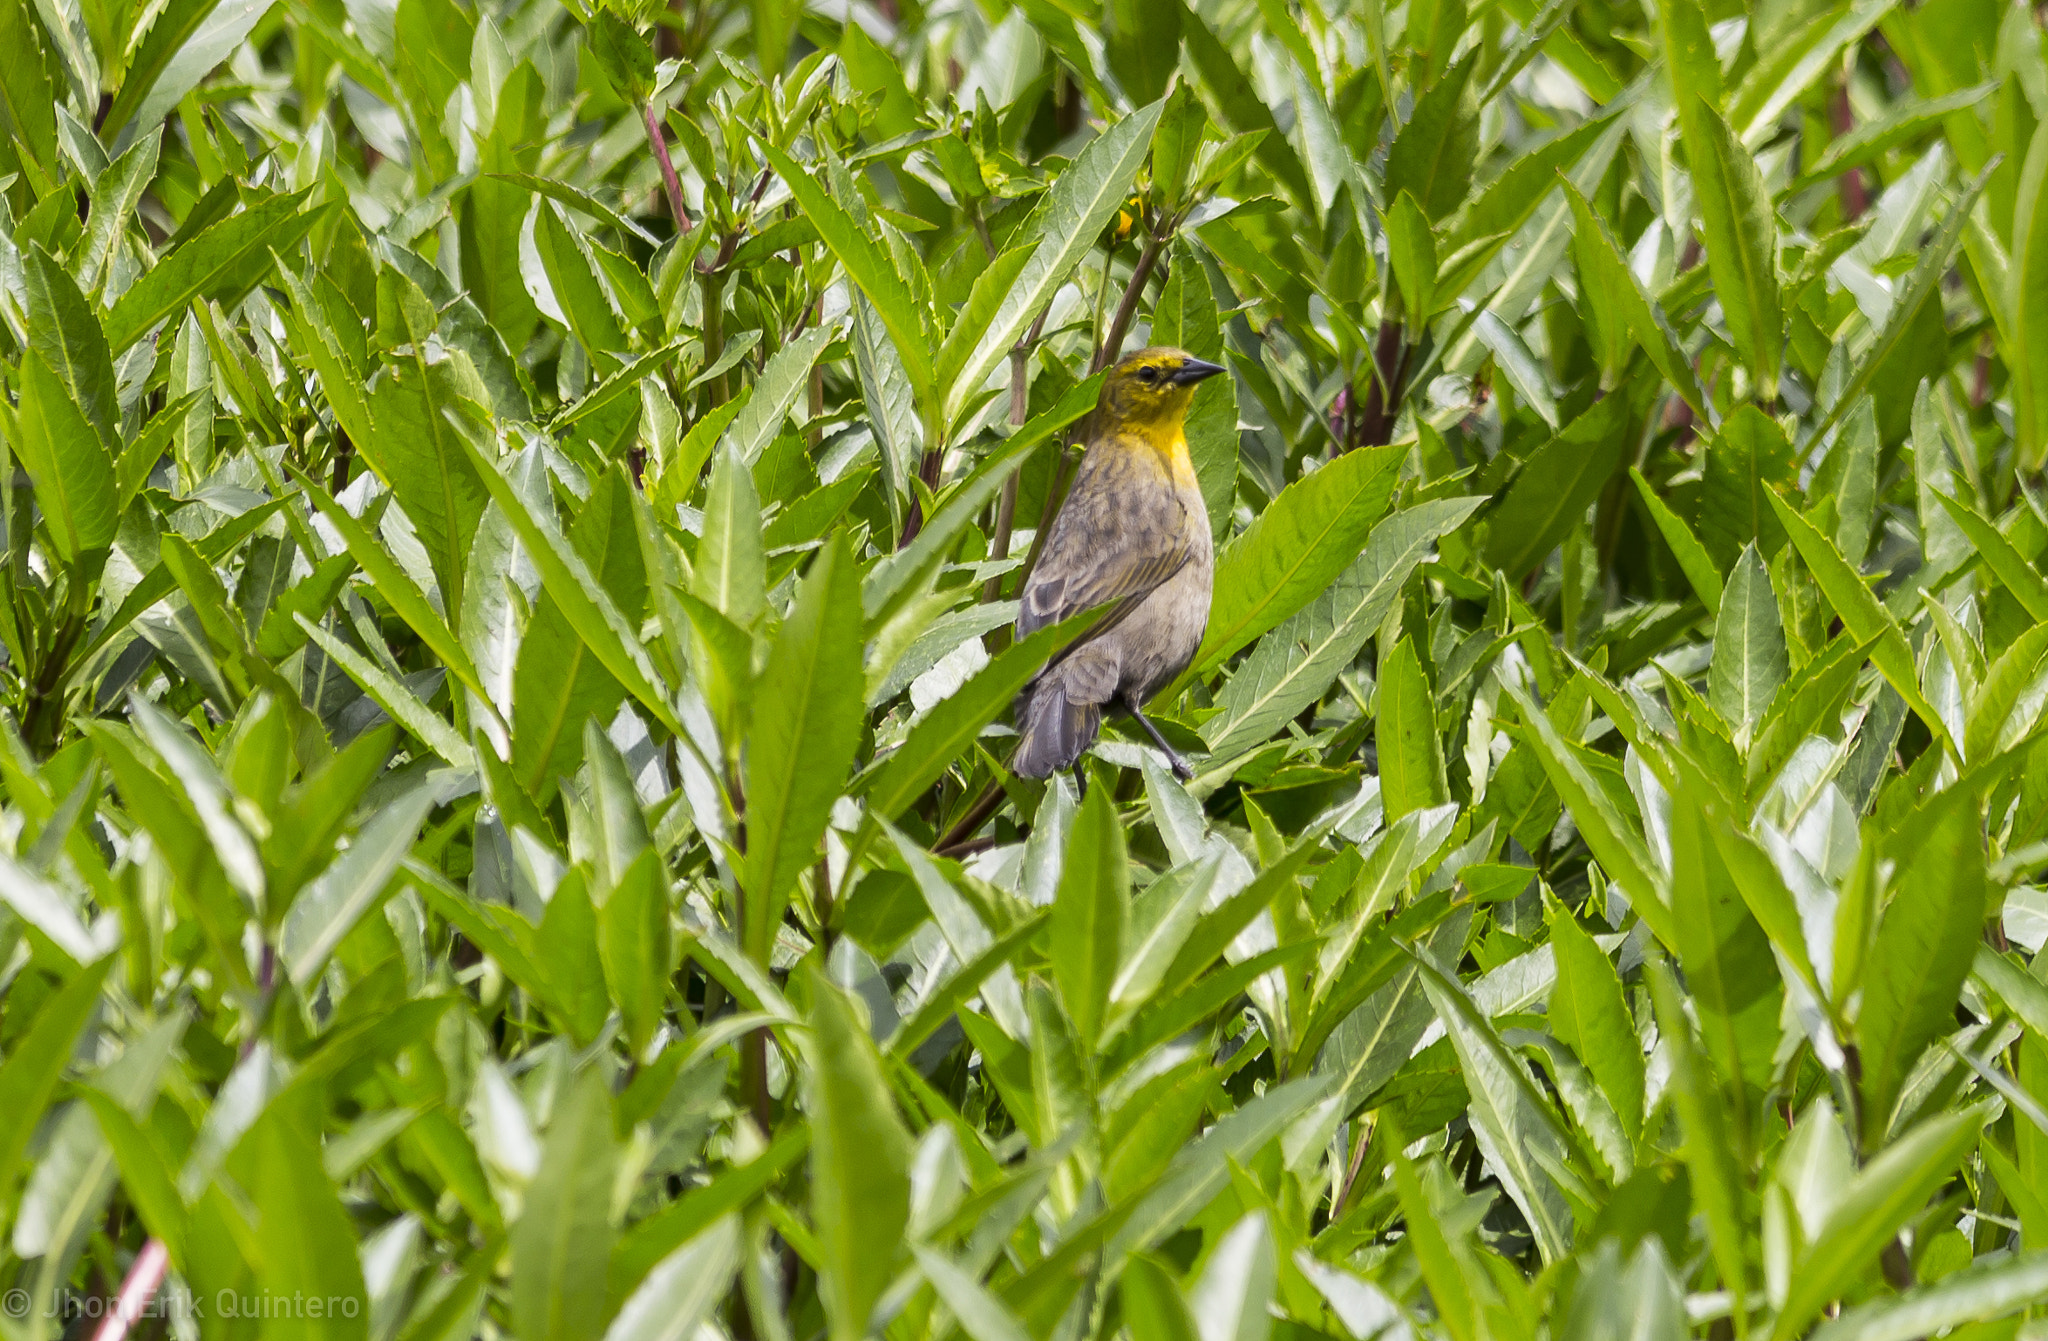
(1080, 781)
(1180, 765)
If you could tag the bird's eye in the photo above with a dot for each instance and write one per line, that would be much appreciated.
(1148, 375)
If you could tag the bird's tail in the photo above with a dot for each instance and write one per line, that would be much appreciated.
(1053, 729)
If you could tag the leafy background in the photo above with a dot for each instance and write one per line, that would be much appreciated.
(511, 517)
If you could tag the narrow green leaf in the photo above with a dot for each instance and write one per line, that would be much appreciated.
(807, 723)
(1294, 549)
(1692, 556)
(1924, 949)
(1861, 614)
(66, 460)
(1090, 918)
(34, 1066)
(951, 727)
(1619, 849)
(325, 911)
(563, 1237)
(867, 265)
(400, 702)
(1749, 645)
(1076, 207)
(1741, 231)
(860, 1162)
(1884, 1194)
(309, 1245)
(1410, 754)
(1555, 487)
(568, 579)
(220, 264)
(1295, 663)
(2006, 563)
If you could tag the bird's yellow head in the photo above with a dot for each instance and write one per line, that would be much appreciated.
(1151, 388)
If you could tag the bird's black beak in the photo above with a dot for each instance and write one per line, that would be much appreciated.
(1194, 370)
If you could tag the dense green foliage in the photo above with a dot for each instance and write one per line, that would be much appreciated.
(512, 515)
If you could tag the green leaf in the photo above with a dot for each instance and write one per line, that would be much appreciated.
(1433, 155)
(1090, 918)
(586, 604)
(182, 47)
(219, 264)
(564, 1234)
(1410, 754)
(807, 724)
(35, 1064)
(1748, 459)
(27, 104)
(326, 910)
(66, 334)
(1749, 645)
(1555, 487)
(558, 679)
(1614, 842)
(1923, 283)
(1076, 207)
(775, 393)
(951, 727)
(426, 416)
(582, 296)
(730, 574)
(1202, 1170)
(1741, 233)
(860, 1162)
(890, 582)
(1792, 67)
(868, 266)
(2006, 563)
(1989, 1288)
(991, 286)
(1295, 663)
(1729, 971)
(66, 460)
(1882, 1196)
(682, 1289)
(1294, 549)
(393, 584)
(1693, 561)
(393, 697)
(1517, 1131)
(1411, 254)
(1588, 1014)
(1923, 951)
(309, 1245)
(1709, 1156)
(1621, 301)
(1862, 616)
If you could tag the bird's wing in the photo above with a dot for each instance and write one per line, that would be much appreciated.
(1121, 533)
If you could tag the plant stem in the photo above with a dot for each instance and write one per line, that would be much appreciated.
(138, 1287)
(1020, 410)
(671, 185)
(1383, 397)
(1127, 310)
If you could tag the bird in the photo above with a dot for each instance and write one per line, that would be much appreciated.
(1133, 531)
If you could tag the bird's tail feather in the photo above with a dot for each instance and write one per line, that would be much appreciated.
(1053, 729)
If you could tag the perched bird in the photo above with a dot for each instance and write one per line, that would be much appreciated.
(1133, 530)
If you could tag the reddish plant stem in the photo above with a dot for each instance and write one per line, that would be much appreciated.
(138, 1287)
(1842, 120)
(671, 185)
(1383, 397)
